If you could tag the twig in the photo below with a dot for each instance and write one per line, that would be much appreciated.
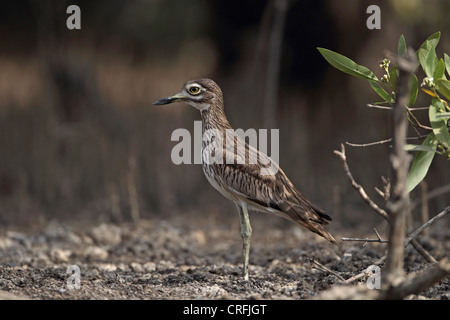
(320, 266)
(356, 186)
(373, 205)
(417, 123)
(368, 144)
(366, 240)
(425, 225)
(409, 239)
(424, 253)
(419, 137)
(417, 108)
(364, 272)
(417, 283)
(387, 189)
(376, 106)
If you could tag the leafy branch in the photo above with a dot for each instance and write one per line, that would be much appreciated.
(435, 84)
(399, 89)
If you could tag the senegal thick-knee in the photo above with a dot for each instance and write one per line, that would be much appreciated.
(241, 173)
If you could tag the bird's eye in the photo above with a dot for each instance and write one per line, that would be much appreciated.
(194, 90)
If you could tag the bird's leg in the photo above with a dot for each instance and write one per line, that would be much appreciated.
(246, 234)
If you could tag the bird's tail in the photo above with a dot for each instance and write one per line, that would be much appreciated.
(320, 230)
(312, 218)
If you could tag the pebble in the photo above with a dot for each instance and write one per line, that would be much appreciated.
(108, 267)
(96, 253)
(107, 234)
(136, 267)
(60, 255)
(149, 266)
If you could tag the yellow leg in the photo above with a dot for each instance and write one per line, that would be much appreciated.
(246, 234)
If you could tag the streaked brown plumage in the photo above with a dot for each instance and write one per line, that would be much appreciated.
(249, 178)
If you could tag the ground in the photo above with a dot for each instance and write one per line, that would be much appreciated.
(176, 259)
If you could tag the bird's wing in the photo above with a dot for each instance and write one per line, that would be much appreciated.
(273, 191)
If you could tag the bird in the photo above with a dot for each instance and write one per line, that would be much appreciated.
(243, 174)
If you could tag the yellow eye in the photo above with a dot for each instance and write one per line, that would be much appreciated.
(194, 90)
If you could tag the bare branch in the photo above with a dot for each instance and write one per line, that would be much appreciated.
(414, 284)
(357, 187)
(373, 205)
(418, 108)
(320, 266)
(387, 189)
(417, 283)
(425, 225)
(424, 253)
(376, 106)
(378, 235)
(366, 240)
(416, 122)
(419, 137)
(368, 144)
(364, 272)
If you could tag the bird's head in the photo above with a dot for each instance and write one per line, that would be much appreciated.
(201, 94)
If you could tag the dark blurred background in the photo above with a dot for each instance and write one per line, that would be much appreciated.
(80, 138)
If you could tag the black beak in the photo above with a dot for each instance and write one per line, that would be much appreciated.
(168, 100)
(163, 101)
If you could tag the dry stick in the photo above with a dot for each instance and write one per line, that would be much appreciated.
(408, 239)
(411, 236)
(425, 225)
(373, 205)
(418, 283)
(320, 266)
(365, 272)
(380, 240)
(419, 137)
(358, 187)
(376, 106)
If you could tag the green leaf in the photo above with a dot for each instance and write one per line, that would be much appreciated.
(440, 70)
(439, 124)
(443, 86)
(415, 147)
(393, 76)
(401, 46)
(430, 63)
(414, 90)
(443, 115)
(381, 92)
(427, 54)
(347, 65)
(447, 63)
(432, 41)
(421, 163)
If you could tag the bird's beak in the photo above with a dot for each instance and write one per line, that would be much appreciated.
(171, 99)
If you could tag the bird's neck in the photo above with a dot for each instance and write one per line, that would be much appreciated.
(214, 118)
